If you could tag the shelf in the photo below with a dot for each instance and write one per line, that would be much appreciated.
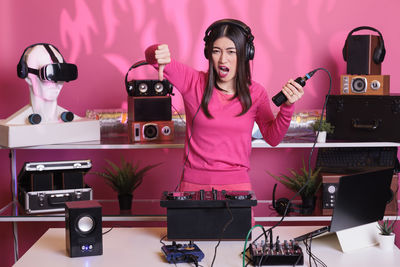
(121, 141)
(149, 210)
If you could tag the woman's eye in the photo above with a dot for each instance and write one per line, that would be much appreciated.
(215, 51)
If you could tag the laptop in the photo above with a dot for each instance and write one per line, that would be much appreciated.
(361, 199)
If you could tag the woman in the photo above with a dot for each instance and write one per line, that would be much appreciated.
(221, 107)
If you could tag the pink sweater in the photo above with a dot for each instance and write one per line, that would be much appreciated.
(219, 150)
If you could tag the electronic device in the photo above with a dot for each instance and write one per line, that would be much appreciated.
(51, 72)
(180, 253)
(364, 117)
(280, 98)
(202, 215)
(146, 87)
(250, 50)
(151, 131)
(364, 53)
(330, 184)
(46, 186)
(346, 160)
(156, 108)
(281, 204)
(83, 228)
(365, 84)
(278, 253)
(361, 199)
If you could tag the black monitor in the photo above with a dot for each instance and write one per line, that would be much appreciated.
(361, 199)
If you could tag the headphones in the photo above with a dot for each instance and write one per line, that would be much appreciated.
(379, 52)
(233, 22)
(281, 204)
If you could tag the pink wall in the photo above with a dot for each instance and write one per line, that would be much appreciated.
(105, 37)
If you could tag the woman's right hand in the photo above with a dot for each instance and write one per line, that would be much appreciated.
(163, 57)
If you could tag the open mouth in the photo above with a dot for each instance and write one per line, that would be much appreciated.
(223, 71)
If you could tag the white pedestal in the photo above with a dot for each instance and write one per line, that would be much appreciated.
(358, 237)
(16, 132)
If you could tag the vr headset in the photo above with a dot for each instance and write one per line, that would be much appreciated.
(55, 72)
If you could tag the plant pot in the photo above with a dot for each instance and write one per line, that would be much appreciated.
(308, 205)
(125, 201)
(321, 137)
(386, 242)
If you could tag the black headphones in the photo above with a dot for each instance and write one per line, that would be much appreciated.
(22, 67)
(379, 52)
(281, 204)
(237, 23)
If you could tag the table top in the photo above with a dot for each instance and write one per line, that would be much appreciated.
(142, 247)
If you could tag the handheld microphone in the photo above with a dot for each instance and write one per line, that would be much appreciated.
(280, 97)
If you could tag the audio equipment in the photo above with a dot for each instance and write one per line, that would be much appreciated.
(280, 98)
(157, 108)
(281, 204)
(364, 53)
(365, 85)
(364, 117)
(83, 228)
(330, 183)
(249, 49)
(202, 215)
(51, 72)
(46, 186)
(180, 253)
(151, 131)
(146, 87)
(268, 253)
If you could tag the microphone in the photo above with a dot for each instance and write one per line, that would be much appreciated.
(280, 97)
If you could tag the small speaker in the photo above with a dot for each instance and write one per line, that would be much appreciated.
(83, 228)
(149, 88)
(365, 85)
(151, 131)
(360, 55)
(156, 108)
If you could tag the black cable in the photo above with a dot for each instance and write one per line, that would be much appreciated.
(109, 230)
(161, 240)
(222, 232)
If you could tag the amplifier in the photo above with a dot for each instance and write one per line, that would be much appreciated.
(203, 215)
(364, 117)
(330, 183)
(365, 84)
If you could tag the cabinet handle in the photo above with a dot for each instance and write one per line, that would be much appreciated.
(372, 126)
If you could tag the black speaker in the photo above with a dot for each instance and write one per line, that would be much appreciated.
(156, 108)
(83, 228)
(364, 53)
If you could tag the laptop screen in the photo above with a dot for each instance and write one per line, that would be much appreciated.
(361, 199)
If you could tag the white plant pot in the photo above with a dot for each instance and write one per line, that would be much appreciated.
(321, 137)
(386, 242)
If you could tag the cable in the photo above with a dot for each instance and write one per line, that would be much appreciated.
(109, 230)
(223, 230)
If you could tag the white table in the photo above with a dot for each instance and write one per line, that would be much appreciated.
(141, 247)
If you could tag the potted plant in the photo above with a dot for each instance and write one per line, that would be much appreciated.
(386, 236)
(321, 128)
(311, 180)
(124, 179)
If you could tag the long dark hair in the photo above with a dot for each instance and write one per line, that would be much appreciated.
(243, 75)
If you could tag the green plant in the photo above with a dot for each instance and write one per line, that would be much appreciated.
(300, 178)
(386, 227)
(125, 178)
(325, 126)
